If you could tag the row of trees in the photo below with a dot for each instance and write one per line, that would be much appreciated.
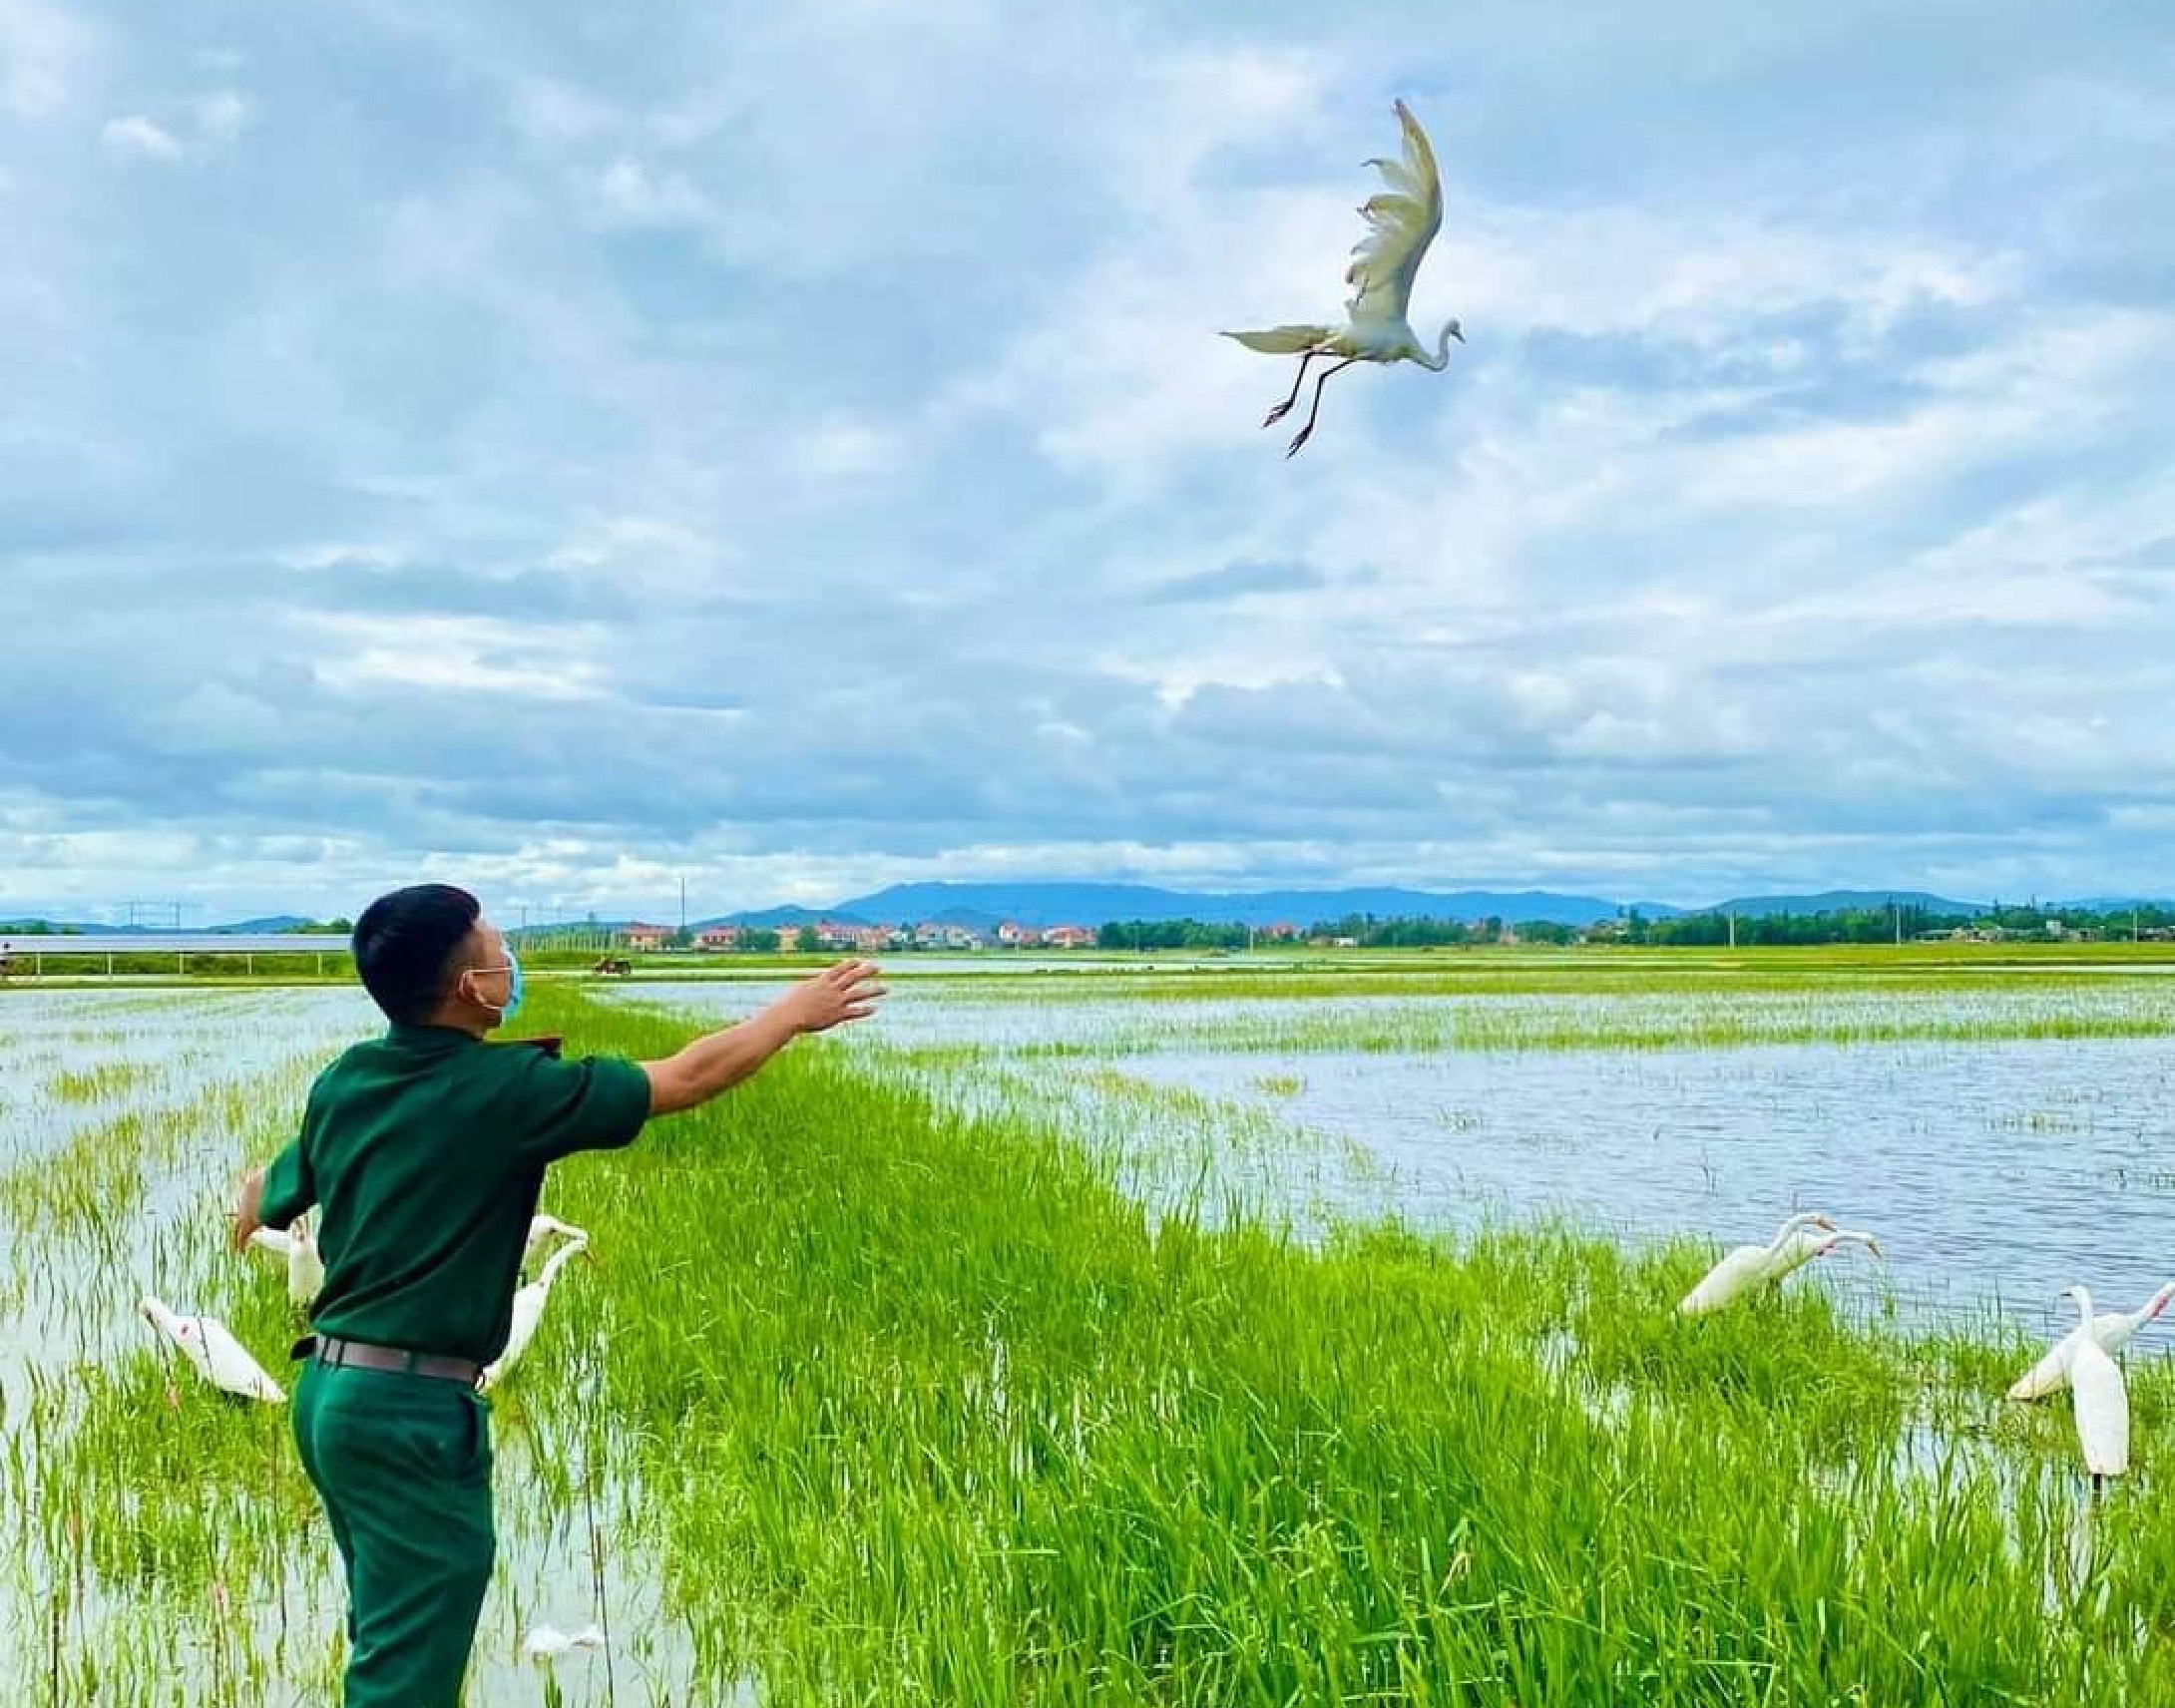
(1886, 924)
(1698, 930)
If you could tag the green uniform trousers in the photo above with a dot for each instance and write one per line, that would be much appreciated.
(403, 1465)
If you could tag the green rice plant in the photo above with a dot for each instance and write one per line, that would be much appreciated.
(890, 1386)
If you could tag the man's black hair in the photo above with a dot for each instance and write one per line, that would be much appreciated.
(405, 944)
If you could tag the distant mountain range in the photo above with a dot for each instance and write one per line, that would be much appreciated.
(1043, 904)
(1852, 901)
(269, 927)
(981, 907)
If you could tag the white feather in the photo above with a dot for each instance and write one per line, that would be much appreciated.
(219, 1358)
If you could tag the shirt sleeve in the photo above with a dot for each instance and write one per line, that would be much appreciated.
(288, 1188)
(597, 1104)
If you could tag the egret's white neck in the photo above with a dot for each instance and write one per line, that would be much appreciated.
(1441, 358)
(553, 1263)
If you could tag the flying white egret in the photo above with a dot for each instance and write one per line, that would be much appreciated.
(2114, 1330)
(2101, 1403)
(298, 1247)
(529, 1305)
(209, 1344)
(548, 1642)
(542, 1228)
(1402, 223)
(1747, 1267)
(1805, 1244)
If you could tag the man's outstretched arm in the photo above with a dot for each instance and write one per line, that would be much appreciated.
(719, 1060)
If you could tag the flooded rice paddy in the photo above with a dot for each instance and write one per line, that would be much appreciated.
(673, 1463)
(2004, 1142)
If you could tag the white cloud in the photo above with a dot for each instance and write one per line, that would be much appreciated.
(224, 116)
(550, 110)
(843, 448)
(810, 406)
(630, 194)
(42, 50)
(141, 137)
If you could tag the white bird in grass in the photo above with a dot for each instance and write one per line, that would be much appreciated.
(1749, 1267)
(542, 1228)
(298, 1247)
(1806, 1244)
(2101, 1403)
(548, 1642)
(1403, 222)
(208, 1344)
(529, 1305)
(2113, 1330)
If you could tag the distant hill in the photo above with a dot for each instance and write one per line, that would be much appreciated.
(1841, 901)
(1045, 905)
(270, 927)
(784, 919)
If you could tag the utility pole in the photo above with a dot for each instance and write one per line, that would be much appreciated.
(1733, 928)
(683, 902)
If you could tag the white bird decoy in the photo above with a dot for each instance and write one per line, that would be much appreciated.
(542, 1228)
(1747, 1267)
(2101, 1403)
(209, 1344)
(2114, 1330)
(1402, 223)
(529, 1305)
(1806, 1244)
(298, 1247)
(548, 1642)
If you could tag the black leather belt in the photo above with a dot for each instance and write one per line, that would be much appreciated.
(332, 1350)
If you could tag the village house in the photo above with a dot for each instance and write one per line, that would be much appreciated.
(649, 938)
(1014, 935)
(836, 933)
(1069, 937)
(930, 935)
(718, 937)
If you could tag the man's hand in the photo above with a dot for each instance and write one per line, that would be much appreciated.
(244, 1215)
(843, 991)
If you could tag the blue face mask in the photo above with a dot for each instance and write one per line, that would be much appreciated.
(512, 989)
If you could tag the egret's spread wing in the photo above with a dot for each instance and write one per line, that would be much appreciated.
(2103, 1414)
(1400, 224)
(1283, 340)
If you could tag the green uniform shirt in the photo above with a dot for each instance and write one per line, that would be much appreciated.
(426, 1149)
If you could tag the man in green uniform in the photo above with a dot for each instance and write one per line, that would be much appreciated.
(426, 1151)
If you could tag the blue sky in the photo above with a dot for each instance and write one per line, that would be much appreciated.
(566, 449)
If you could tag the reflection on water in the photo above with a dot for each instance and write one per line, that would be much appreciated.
(1996, 1175)
(70, 1059)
